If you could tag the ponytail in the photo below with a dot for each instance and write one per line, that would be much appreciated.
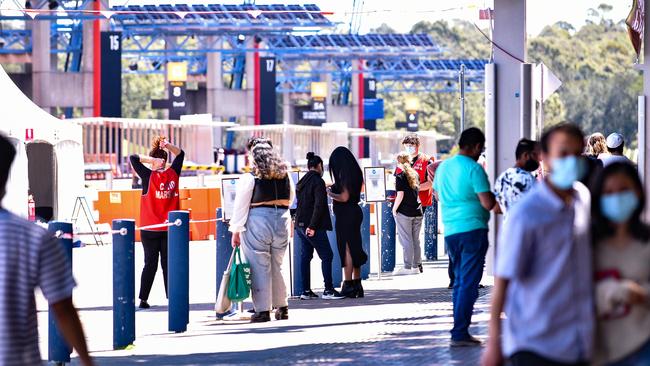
(412, 176)
(313, 160)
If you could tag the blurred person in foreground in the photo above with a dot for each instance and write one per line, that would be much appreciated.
(463, 188)
(622, 267)
(31, 257)
(543, 275)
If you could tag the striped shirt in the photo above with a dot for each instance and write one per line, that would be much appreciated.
(29, 258)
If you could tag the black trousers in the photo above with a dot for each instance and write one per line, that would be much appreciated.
(525, 358)
(154, 244)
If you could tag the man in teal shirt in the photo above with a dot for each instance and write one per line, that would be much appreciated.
(463, 189)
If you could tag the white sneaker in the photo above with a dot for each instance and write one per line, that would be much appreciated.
(415, 271)
(402, 271)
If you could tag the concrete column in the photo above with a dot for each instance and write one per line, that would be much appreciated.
(87, 65)
(644, 122)
(214, 80)
(354, 104)
(509, 34)
(286, 108)
(250, 82)
(41, 65)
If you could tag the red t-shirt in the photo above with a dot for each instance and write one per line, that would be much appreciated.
(161, 197)
(420, 164)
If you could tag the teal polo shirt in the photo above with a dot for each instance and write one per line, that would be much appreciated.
(458, 181)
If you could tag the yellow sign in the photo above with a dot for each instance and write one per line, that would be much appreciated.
(319, 90)
(176, 71)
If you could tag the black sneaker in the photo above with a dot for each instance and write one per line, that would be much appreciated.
(451, 285)
(144, 305)
(308, 295)
(481, 286)
(332, 295)
(420, 268)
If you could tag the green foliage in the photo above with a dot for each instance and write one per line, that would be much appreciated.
(595, 63)
(137, 92)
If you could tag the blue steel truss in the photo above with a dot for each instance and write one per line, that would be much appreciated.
(156, 34)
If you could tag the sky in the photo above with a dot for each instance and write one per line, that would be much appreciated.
(402, 14)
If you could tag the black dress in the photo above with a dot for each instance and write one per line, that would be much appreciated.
(348, 227)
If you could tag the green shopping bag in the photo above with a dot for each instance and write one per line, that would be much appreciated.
(239, 288)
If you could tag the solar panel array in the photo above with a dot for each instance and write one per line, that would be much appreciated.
(428, 65)
(376, 41)
(222, 15)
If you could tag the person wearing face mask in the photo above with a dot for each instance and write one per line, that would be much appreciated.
(622, 267)
(543, 273)
(463, 189)
(312, 223)
(159, 196)
(511, 185)
(419, 162)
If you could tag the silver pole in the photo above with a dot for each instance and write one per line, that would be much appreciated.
(461, 81)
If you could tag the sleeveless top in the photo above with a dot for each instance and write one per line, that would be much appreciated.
(162, 197)
(266, 190)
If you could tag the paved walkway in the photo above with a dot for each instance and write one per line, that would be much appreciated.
(402, 320)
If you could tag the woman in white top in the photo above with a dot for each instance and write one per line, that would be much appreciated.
(260, 224)
(622, 266)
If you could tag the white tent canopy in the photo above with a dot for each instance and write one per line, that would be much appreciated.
(49, 157)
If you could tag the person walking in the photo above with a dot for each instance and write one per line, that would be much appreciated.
(312, 223)
(420, 162)
(346, 194)
(159, 197)
(511, 185)
(407, 211)
(543, 276)
(615, 146)
(30, 257)
(464, 192)
(622, 268)
(260, 225)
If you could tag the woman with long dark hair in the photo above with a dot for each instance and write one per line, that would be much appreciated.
(159, 196)
(260, 224)
(622, 266)
(346, 194)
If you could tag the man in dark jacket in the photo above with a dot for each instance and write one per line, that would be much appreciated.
(312, 222)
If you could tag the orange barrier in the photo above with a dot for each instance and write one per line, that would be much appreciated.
(202, 203)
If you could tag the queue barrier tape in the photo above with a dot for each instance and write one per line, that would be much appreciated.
(123, 231)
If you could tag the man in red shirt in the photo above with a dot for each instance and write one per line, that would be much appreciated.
(420, 162)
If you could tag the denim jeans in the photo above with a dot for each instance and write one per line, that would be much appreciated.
(322, 245)
(467, 254)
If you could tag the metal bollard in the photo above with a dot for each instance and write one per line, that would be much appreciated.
(224, 248)
(123, 284)
(178, 267)
(431, 232)
(337, 271)
(365, 240)
(58, 349)
(387, 237)
(296, 284)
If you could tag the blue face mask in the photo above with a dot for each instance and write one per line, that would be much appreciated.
(566, 171)
(619, 207)
(410, 149)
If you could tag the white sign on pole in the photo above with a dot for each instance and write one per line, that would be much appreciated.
(228, 191)
(375, 178)
(294, 181)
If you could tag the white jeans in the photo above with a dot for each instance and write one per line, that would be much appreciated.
(408, 232)
(264, 243)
